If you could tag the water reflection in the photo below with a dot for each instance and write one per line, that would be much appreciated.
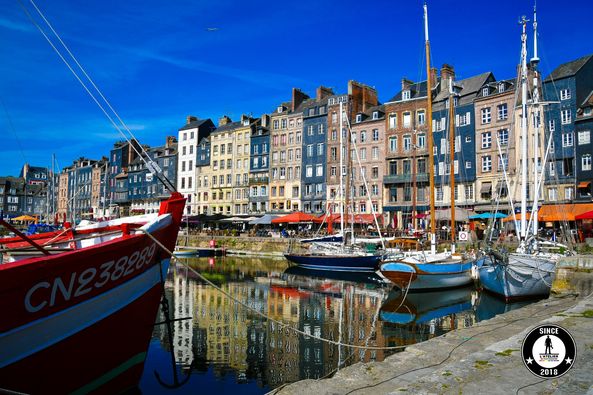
(230, 348)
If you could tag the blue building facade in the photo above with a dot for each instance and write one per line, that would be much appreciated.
(145, 191)
(259, 168)
(567, 87)
(584, 149)
(464, 93)
(314, 157)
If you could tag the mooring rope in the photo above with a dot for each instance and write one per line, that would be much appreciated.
(280, 323)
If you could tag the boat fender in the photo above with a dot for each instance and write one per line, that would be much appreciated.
(474, 272)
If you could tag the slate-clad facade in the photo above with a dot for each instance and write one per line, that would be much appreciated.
(567, 87)
(259, 168)
(313, 173)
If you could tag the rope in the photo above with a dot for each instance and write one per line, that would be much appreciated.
(280, 323)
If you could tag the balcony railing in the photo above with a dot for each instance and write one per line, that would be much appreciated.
(404, 178)
(259, 180)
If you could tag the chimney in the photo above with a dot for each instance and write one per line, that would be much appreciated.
(265, 120)
(170, 141)
(406, 84)
(323, 92)
(191, 118)
(447, 74)
(433, 76)
(244, 118)
(362, 96)
(298, 97)
(224, 120)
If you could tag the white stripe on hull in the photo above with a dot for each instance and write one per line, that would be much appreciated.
(35, 336)
(435, 281)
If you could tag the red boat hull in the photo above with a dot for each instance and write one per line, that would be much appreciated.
(81, 321)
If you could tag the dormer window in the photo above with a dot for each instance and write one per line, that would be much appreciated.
(246, 122)
(280, 109)
(375, 114)
(406, 95)
(587, 111)
(358, 117)
(485, 91)
(500, 88)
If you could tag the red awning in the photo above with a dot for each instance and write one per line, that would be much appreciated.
(587, 215)
(295, 218)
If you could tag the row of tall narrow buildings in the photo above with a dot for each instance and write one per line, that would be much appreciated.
(291, 158)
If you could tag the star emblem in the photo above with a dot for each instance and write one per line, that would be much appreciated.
(568, 360)
(529, 360)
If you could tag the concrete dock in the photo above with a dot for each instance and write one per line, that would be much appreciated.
(485, 358)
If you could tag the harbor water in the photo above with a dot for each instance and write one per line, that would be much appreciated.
(220, 346)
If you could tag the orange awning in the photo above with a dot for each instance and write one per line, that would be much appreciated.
(584, 184)
(563, 212)
(518, 216)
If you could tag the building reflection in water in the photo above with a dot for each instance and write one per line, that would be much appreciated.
(235, 342)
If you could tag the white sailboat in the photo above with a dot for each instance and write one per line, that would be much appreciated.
(529, 271)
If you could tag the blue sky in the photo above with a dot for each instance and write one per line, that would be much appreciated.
(157, 62)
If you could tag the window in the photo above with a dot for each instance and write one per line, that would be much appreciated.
(375, 114)
(565, 117)
(439, 192)
(358, 118)
(407, 166)
(319, 149)
(363, 153)
(393, 168)
(309, 171)
(407, 120)
(375, 172)
(334, 134)
(486, 140)
(553, 194)
(392, 121)
(421, 115)
(333, 153)
(407, 142)
(406, 95)
(486, 163)
(319, 171)
(568, 193)
(584, 137)
(320, 129)
(552, 125)
(503, 136)
(503, 162)
(298, 137)
(469, 191)
(567, 139)
(393, 144)
(375, 153)
(421, 140)
(486, 115)
(564, 94)
(503, 112)
(309, 150)
(310, 130)
(485, 91)
(363, 136)
(421, 165)
(586, 162)
(375, 134)
(333, 171)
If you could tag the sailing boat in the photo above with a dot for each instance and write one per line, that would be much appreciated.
(337, 256)
(529, 271)
(419, 270)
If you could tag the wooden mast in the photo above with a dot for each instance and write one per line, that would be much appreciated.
(429, 129)
(452, 156)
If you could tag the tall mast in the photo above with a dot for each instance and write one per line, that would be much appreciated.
(452, 157)
(524, 158)
(537, 114)
(429, 127)
(341, 175)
